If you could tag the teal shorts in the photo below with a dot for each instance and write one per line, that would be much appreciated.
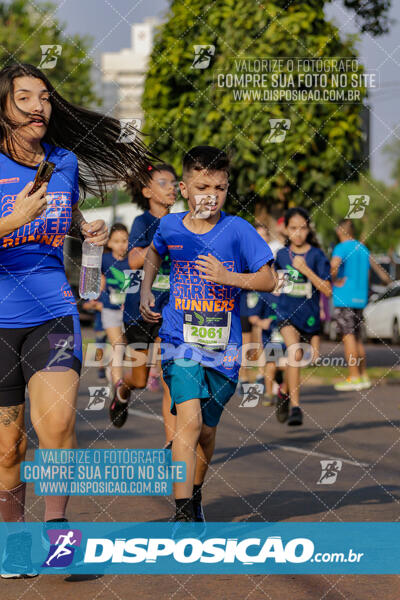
(196, 381)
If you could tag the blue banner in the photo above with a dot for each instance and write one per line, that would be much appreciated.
(194, 548)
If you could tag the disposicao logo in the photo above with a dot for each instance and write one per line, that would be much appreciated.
(191, 550)
(63, 543)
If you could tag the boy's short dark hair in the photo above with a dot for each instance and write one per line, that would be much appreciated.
(206, 158)
(347, 225)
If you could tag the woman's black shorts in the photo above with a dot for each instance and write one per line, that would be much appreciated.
(55, 345)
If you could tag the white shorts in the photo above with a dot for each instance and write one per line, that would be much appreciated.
(111, 317)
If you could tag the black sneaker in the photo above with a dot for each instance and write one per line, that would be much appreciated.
(282, 406)
(183, 516)
(118, 410)
(296, 416)
(17, 562)
(198, 511)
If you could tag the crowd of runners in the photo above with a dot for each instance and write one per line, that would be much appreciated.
(217, 293)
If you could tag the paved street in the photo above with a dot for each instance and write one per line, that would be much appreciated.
(262, 470)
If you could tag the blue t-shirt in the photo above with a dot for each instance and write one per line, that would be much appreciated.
(141, 236)
(116, 273)
(355, 270)
(33, 284)
(204, 317)
(301, 305)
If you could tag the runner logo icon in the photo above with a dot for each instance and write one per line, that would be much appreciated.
(62, 547)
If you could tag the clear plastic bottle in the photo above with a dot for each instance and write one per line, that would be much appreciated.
(90, 278)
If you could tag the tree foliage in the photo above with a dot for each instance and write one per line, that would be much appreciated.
(25, 26)
(183, 108)
(372, 16)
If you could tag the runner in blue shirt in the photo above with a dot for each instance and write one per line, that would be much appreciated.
(156, 198)
(40, 340)
(350, 266)
(298, 312)
(213, 255)
(114, 281)
(263, 315)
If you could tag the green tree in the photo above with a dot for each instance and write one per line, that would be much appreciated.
(371, 15)
(25, 26)
(183, 108)
(392, 151)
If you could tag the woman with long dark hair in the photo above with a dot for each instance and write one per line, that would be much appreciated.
(40, 342)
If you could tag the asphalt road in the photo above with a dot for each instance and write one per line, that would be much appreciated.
(262, 471)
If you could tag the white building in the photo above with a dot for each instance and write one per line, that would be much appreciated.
(123, 72)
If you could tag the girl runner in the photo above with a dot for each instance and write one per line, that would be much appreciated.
(40, 340)
(156, 198)
(114, 268)
(298, 312)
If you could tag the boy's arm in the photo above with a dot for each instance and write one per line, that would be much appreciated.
(335, 265)
(152, 264)
(263, 280)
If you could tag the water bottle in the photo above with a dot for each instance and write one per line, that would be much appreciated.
(90, 279)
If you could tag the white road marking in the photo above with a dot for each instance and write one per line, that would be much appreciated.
(312, 453)
(146, 415)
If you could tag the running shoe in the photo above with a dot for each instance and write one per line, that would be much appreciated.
(295, 416)
(269, 400)
(118, 410)
(366, 382)
(351, 384)
(17, 562)
(282, 406)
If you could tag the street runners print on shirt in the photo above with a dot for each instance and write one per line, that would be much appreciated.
(202, 318)
(33, 284)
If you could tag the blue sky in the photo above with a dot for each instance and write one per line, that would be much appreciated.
(108, 22)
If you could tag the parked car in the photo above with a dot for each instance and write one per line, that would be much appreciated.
(382, 314)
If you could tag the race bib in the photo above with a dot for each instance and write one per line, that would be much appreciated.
(116, 296)
(301, 290)
(207, 329)
(161, 282)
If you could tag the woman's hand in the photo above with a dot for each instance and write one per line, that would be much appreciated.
(27, 208)
(95, 232)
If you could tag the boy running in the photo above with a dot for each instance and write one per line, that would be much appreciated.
(212, 255)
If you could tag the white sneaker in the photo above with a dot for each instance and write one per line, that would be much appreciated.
(366, 382)
(351, 384)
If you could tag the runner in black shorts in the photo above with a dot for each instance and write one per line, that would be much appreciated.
(40, 343)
